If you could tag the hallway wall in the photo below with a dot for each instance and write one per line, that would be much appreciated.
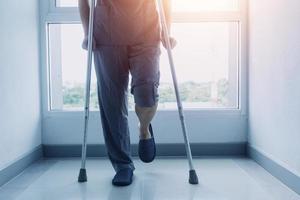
(20, 119)
(274, 80)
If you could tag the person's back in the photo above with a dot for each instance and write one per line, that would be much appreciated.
(126, 22)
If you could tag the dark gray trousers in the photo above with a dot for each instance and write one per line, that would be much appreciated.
(112, 66)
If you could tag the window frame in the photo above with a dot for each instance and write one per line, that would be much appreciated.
(50, 14)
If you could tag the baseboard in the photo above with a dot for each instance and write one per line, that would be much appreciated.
(289, 178)
(20, 164)
(178, 150)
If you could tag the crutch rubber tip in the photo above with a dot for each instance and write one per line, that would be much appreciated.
(193, 179)
(82, 176)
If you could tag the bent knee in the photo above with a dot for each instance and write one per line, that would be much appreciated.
(145, 95)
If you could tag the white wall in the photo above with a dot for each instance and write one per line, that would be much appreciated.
(20, 120)
(274, 80)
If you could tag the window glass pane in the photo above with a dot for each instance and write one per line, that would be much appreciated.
(181, 5)
(66, 3)
(206, 60)
(204, 5)
(68, 68)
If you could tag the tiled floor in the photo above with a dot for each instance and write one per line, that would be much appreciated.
(220, 179)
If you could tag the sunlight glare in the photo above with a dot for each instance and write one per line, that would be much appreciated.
(204, 5)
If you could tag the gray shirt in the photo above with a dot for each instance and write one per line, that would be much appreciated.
(126, 22)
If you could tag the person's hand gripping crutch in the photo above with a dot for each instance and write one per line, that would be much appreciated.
(172, 40)
(85, 42)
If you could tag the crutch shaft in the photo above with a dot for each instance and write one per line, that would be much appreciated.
(193, 178)
(173, 72)
(88, 81)
(87, 87)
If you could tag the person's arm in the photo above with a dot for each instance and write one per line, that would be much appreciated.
(167, 11)
(168, 17)
(84, 10)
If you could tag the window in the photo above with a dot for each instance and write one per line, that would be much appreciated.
(179, 5)
(204, 5)
(66, 3)
(207, 58)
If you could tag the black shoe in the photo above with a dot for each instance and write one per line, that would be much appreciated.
(147, 149)
(123, 177)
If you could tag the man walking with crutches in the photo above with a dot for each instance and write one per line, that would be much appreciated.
(127, 39)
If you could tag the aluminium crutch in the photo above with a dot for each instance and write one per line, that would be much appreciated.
(193, 179)
(82, 173)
